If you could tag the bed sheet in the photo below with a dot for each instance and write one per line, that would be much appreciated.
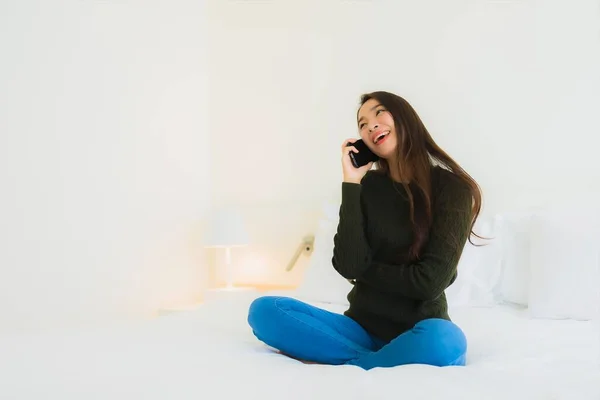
(211, 353)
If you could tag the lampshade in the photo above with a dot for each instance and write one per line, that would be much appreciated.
(226, 228)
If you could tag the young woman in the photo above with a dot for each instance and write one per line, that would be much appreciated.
(401, 233)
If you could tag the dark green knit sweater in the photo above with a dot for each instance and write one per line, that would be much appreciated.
(391, 294)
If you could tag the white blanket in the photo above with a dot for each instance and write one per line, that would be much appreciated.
(210, 353)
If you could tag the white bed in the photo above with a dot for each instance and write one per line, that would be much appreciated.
(211, 353)
(547, 349)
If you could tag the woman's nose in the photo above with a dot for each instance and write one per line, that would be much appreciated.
(374, 127)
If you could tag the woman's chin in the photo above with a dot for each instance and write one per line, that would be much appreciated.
(387, 154)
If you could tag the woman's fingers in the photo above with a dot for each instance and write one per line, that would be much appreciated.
(348, 149)
(348, 141)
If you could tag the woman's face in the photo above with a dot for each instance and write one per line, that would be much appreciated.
(376, 128)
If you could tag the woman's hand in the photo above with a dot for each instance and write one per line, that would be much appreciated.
(352, 174)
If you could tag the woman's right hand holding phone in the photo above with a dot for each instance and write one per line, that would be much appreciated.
(351, 173)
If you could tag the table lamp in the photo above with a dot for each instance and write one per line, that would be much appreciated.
(226, 229)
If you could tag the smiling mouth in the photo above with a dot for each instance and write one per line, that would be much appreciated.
(381, 137)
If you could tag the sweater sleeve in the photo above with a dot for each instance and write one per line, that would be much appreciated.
(428, 277)
(351, 252)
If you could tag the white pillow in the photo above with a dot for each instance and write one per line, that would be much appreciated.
(565, 265)
(478, 270)
(513, 233)
(321, 282)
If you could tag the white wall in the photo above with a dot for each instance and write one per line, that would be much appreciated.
(105, 166)
(109, 162)
(509, 88)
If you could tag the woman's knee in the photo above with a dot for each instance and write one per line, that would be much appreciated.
(440, 326)
(447, 340)
(260, 310)
(265, 311)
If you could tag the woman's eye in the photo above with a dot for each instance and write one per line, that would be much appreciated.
(378, 111)
(361, 126)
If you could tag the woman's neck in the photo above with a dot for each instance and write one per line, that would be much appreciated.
(397, 176)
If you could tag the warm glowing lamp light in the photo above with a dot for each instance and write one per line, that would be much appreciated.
(226, 229)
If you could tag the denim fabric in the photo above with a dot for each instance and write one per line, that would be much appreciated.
(312, 334)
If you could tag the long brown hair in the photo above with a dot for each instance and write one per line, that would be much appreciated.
(417, 153)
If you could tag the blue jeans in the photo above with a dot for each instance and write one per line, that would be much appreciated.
(309, 333)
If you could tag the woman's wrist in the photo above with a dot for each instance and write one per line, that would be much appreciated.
(354, 181)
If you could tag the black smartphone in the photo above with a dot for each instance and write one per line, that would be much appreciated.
(364, 155)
